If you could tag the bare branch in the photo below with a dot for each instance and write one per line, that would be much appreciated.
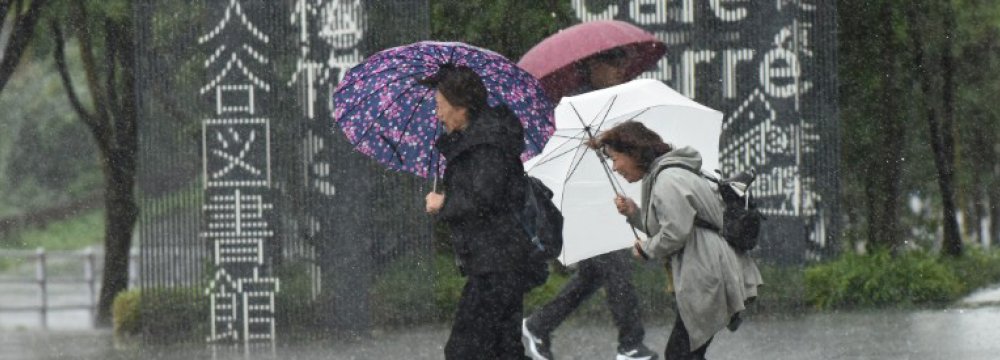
(60, 58)
(110, 54)
(128, 116)
(79, 20)
(24, 28)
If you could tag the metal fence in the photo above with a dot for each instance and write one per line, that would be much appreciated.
(32, 271)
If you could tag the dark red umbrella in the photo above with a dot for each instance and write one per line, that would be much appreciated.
(552, 60)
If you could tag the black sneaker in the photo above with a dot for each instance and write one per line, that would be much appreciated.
(640, 352)
(538, 347)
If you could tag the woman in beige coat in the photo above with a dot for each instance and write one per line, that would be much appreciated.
(711, 281)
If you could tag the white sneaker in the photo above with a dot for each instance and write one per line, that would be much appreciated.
(538, 348)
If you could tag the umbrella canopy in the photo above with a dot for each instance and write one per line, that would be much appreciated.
(579, 177)
(388, 116)
(553, 59)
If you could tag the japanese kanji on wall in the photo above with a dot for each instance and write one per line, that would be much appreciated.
(236, 174)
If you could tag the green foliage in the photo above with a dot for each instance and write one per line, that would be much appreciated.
(509, 27)
(541, 295)
(47, 156)
(880, 279)
(299, 312)
(401, 293)
(163, 316)
(977, 268)
(916, 26)
(447, 283)
(125, 313)
(85, 229)
(173, 315)
(783, 290)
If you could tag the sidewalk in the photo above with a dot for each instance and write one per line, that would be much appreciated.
(968, 334)
(982, 297)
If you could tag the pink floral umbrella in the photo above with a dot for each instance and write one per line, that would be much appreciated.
(552, 60)
(386, 114)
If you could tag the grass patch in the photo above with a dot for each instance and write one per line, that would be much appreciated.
(74, 233)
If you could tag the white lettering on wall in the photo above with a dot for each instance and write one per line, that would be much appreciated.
(584, 12)
(729, 10)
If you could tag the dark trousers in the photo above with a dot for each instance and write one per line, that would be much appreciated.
(679, 344)
(488, 320)
(613, 271)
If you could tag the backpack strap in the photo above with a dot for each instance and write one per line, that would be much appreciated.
(697, 221)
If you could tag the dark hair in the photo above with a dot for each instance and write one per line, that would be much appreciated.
(634, 140)
(608, 56)
(460, 85)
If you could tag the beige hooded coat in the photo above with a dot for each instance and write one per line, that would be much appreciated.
(711, 281)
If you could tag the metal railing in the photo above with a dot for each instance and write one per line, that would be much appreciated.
(92, 261)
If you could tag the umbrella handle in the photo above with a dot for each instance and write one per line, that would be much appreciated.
(434, 187)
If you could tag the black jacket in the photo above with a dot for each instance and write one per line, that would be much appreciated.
(484, 186)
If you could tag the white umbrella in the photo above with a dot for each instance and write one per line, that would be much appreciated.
(582, 182)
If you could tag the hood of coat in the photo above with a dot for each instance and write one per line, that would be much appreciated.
(684, 156)
(496, 126)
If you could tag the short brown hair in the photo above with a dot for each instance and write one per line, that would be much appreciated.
(635, 140)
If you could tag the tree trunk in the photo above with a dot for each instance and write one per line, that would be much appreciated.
(940, 132)
(993, 192)
(889, 182)
(122, 213)
(20, 36)
(944, 154)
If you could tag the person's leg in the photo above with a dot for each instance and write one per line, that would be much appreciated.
(470, 333)
(623, 300)
(508, 293)
(580, 287)
(699, 354)
(679, 344)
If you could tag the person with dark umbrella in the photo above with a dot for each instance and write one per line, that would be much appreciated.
(483, 188)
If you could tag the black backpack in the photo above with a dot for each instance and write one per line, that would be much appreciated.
(741, 219)
(542, 220)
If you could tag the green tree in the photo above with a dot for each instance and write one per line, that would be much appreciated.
(930, 28)
(872, 118)
(105, 29)
(977, 50)
(509, 27)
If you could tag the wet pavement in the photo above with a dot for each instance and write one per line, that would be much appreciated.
(966, 333)
(970, 329)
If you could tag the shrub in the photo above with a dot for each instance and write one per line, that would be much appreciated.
(166, 315)
(172, 315)
(783, 289)
(125, 313)
(400, 293)
(297, 311)
(881, 279)
(976, 268)
(448, 284)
